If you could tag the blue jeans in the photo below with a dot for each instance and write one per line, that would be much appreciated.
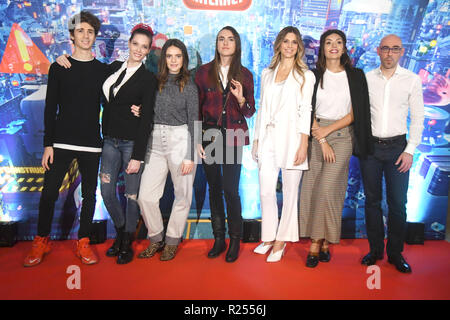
(115, 157)
(382, 162)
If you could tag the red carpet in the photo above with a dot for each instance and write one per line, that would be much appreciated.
(191, 275)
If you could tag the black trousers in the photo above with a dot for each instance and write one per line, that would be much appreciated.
(223, 176)
(88, 165)
(382, 162)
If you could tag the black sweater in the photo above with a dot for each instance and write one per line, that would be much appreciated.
(72, 104)
(118, 120)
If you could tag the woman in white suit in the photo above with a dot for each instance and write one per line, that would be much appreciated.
(281, 139)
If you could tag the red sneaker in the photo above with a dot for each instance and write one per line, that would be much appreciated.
(85, 253)
(39, 248)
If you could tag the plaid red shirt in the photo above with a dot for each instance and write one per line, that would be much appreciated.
(211, 101)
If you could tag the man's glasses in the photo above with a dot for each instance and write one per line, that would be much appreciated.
(386, 49)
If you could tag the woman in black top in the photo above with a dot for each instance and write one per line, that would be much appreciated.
(126, 136)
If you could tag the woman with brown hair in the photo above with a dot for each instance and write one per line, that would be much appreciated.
(285, 115)
(171, 148)
(226, 99)
(341, 126)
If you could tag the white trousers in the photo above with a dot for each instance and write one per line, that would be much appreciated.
(167, 151)
(285, 229)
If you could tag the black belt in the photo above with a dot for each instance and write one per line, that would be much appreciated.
(389, 140)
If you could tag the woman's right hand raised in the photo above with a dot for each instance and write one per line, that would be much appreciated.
(328, 153)
(63, 61)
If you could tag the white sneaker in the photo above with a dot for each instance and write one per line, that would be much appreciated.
(275, 257)
(262, 249)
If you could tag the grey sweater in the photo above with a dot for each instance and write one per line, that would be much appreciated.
(175, 108)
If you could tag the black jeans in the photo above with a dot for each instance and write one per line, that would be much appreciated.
(383, 162)
(223, 178)
(88, 165)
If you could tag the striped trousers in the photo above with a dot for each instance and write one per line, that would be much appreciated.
(324, 186)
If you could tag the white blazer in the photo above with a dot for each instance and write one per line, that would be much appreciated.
(292, 117)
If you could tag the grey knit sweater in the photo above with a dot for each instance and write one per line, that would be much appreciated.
(175, 108)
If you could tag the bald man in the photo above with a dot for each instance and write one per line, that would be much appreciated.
(394, 91)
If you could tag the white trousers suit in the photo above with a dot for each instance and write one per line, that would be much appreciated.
(286, 229)
(284, 115)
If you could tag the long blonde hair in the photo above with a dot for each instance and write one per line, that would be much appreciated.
(299, 65)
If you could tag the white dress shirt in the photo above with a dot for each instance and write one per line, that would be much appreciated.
(113, 78)
(223, 74)
(391, 100)
(333, 101)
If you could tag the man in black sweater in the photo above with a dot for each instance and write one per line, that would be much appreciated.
(72, 131)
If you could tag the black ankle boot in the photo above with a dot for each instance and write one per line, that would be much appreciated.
(233, 250)
(115, 248)
(126, 253)
(219, 247)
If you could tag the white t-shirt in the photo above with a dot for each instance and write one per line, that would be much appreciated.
(333, 101)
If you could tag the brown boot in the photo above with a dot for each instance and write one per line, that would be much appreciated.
(152, 249)
(168, 252)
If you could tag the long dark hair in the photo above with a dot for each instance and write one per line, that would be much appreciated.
(235, 67)
(321, 63)
(163, 71)
(299, 65)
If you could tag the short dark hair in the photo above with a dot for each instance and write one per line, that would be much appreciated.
(84, 16)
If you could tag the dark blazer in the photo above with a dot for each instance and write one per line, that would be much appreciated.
(118, 120)
(359, 95)
(211, 104)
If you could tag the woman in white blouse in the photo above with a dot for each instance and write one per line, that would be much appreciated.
(281, 139)
(341, 126)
